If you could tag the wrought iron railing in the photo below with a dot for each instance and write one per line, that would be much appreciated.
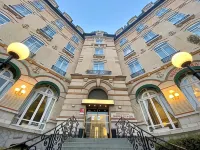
(52, 139)
(99, 72)
(141, 139)
(168, 58)
(135, 74)
(184, 18)
(58, 70)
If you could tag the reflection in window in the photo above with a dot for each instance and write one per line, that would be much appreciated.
(177, 18)
(190, 86)
(3, 19)
(195, 28)
(98, 65)
(156, 111)
(22, 9)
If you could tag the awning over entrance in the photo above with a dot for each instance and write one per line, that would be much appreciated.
(98, 102)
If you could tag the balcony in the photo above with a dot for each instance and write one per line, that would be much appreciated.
(168, 58)
(154, 39)
(99, 72)
(127, 56)
(101, 56)
(68, 52)
(184, 20)
(58, 70)
(142, 71)
(43, 33)
(13, 11)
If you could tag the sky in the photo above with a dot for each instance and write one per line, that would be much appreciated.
(103, 15)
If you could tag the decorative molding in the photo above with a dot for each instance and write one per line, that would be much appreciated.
(55, 47)
(25, 26)
(171, 33)
(10, 9)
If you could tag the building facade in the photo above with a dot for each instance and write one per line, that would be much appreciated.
(98, 77)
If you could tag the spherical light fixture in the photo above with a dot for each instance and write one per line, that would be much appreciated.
(18, 51)
(182, 59)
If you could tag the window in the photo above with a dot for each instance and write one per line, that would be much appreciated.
(98, 66)
(6, 81)
(39, 5)
(49, 31)
(195, 29)
(161, 12)
(35, 112)
(59, 24)
(33, 44)
(22, 10)
(127, 50)
(61, 66)
(70, 48)
(149, 36)
(135, 66)
(177, 18)
(156, 112)
(165, 51)
(3, 19)
(140, 27)
(75, 39)
(190, 86)
(122, 41)
(99, 41)
(98, 51)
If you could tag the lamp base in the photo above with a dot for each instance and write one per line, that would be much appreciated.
(185, 64)
(14, 55)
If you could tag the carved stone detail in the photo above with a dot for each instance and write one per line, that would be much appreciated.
(26, 26)
(36, 70)
(171, 33)
(55, 47)
(159, 75)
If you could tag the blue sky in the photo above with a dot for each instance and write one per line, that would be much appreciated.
(104, 15)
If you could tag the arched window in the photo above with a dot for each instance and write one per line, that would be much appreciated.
(98, 94)
(36, 110)
(156, 111)
(3, 19)
(190, 86)
(6, 81)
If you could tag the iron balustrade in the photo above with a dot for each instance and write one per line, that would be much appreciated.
(68, 51)
(99, 72)
(183, 19)
(135, 74)
(141, 139)
(58, 70)
(52, 139)
(156, 36)
(168, 58)
(130, 53)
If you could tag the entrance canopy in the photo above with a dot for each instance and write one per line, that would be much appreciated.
(98, 102)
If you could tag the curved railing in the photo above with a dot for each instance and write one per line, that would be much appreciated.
(52, 139)
(141, 139)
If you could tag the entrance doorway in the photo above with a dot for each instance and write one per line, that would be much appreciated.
(97, 121)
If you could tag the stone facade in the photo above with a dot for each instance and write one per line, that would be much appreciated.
(120, 84)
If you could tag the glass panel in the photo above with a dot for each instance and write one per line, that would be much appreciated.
(145, 114)
(3, 19)
(2, 81)
(5, 89)
(22, 10)
(40, 110)
(169, 50)
(161, 53)
(7, 74)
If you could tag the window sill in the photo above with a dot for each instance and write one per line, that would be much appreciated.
(13, 11)
(98, 56)
(186, 19)
(58, 70)
(39, 31)
(156, 38)
(129, 55)
(99, 72)
(68, 52)
(142, 71)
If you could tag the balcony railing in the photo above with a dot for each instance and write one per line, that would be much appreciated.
(138, 73)
(65, 50)
(155, 38)
(183, 20)
(58, 70)
(99, 72)
(168, 58)
(43, 33)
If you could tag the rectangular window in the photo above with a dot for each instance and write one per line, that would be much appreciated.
(75, 39)
(22, 10)
(127, 50)
(4, 19)
(140, 27)
(49, 31)
(161, 12)
(99, 41)
(61, 66)
(70, 48)
(122, 41)
(98, 51)
(98, 66)
(177, 18)
(135, 66)
(59, 24)
(149, 36)
(195, 29)
(39, 5)
(33, 44)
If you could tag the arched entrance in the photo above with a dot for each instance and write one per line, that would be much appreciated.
(97, 115)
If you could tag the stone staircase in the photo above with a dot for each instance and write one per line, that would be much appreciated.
(96, 144)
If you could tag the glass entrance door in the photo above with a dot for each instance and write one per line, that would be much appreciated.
(97, 122)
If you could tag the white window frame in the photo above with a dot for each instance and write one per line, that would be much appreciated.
(140, 27)
(20, 12)
(123, 41)
(100, 64)
(70, 48)
(52, 30)
(149, 97)
(64, 59)
(161, 12)
(127, 50)
(6, 21)
(148, 35)
(75, 39)
(133, 63)
(160, 46)
(175, 15)
(99, 51)
(59, 24)
(195, 26)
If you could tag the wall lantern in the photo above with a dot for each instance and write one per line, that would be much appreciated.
(173, 95)
(20, 91)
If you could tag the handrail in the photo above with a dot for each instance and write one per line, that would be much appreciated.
(141, 138)
(52, 139)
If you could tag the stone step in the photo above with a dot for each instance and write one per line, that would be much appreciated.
(95, 148)
(95, 140)
(94, 145)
